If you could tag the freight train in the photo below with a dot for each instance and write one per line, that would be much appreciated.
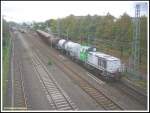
(108, 66)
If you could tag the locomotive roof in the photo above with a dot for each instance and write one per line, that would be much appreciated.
(105, 56)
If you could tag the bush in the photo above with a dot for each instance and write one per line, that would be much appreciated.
(49, 62)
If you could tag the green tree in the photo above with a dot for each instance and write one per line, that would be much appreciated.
(123, 32)
(105, 26)
(124, 26)
(53, 25)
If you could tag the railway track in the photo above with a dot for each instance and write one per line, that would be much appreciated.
(127, 90)
(18, 101)
(141, 98)
(97, 95)
(56, 96)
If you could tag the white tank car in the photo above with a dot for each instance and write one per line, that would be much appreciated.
(72, 48)
(67, 45)
(61, 43)
(109, 66)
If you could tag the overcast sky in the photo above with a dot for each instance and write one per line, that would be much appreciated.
(28, 11)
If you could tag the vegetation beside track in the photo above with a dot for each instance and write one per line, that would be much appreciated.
(49, 62)
(6, 46)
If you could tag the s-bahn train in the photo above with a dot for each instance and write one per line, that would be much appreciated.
(108, 66)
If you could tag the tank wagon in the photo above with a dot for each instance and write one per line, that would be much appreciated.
(107, 65)
(72, 49)
(61, 43)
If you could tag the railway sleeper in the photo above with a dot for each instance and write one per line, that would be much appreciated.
(60, 102)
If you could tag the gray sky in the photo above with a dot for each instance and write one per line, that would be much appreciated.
(28, 11)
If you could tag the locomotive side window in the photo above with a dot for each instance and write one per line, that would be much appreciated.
(101, 63)
(104, 63)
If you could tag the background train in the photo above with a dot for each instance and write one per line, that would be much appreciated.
(108, 66)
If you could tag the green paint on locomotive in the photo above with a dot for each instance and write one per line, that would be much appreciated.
(83, 53)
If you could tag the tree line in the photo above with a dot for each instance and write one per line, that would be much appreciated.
(96, 27)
